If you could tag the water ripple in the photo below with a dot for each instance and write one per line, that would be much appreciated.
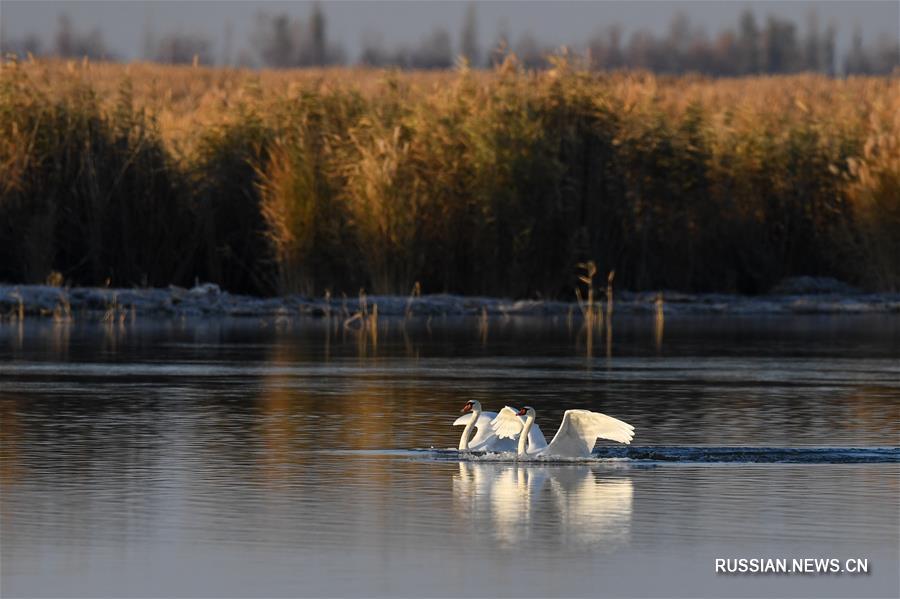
(689, 455)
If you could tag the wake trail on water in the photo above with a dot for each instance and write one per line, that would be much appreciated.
(755, 455)
(671, 454)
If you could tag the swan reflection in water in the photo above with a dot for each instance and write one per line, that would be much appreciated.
(571, 505)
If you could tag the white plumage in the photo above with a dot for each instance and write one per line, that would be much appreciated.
(575, 438)
(485, 437)
(508, 424)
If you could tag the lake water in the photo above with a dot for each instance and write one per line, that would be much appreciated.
(248, 458)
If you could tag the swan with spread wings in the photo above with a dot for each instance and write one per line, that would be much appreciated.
(575, 438)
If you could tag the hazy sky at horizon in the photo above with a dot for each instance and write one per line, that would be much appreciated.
(123, 23)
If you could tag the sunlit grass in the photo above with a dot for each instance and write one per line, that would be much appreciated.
(494, 182)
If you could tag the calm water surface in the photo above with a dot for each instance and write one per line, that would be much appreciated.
(252, 458)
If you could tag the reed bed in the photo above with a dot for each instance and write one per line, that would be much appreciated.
(478, 182)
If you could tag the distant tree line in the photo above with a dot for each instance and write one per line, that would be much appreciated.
(773, 45)
(282, 41)
(751, 48)
(66, 42)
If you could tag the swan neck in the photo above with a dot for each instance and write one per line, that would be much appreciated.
(467, 432)
(523, 436)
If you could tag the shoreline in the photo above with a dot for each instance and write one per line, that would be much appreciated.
(207, 300)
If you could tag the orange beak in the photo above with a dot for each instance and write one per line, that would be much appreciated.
(466, 408)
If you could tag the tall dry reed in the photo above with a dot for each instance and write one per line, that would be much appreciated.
(475, 182)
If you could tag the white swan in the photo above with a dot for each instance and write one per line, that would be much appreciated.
(485, 439)
(575, 438)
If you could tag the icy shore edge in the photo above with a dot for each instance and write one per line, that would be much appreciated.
(18, 301)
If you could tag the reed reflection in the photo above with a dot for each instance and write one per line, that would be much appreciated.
(552, 505)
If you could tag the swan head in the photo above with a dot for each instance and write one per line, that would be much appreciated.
(526, 411)
(473, 405)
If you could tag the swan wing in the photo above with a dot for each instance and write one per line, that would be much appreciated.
(580, 429)
(483, 430)
(536, 439)
(507, 424)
